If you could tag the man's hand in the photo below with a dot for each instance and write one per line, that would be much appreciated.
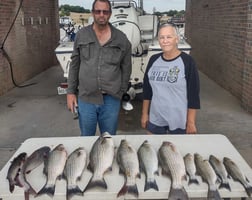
(71, 102)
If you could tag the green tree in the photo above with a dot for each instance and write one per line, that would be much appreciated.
(66, 9)
(172, 13)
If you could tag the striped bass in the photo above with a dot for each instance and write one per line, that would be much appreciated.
(75, 165)
(234, 171)
(221, 171)
(129, 165)
(149, 164)
(172, 164)
(53, 169)
(32, 162)
(190, 168)
(100, 160)
(208, 175)
(13, 171)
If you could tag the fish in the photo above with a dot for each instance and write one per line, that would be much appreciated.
(32, 162)
(100, 160)
(148, 162)
(205, 170)
(128, 162)
(220, 171)
(237, 175)
(172, 163)
(36, 159)
(53, 169)
(14, 170)
(74, 167)
(190, 168)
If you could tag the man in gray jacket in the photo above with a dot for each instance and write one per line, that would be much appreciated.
(99, 72)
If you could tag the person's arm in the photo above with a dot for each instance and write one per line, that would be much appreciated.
(126, 68)
(190, 122)
(73, 79)
(145, 113)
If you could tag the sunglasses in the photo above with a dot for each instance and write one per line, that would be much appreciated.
(98, 12)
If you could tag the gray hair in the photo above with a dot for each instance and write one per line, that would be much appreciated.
(167, 24)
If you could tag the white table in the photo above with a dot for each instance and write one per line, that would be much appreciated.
(215, 144)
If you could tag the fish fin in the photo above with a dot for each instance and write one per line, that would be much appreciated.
(78, 178)
(193, 180)
(11, 187)
(249, 190)
(64, 177)
(166, 173)
(219, 179)
(178, 193)
(121, 171)
(122, 191)
(47, 189)
(61, 176)
(96, 183)
(184, 177)
(26, 195)
(141, 166)
(131, 189)
(151, 184)
(17, 181)
(90, 168)
(32, 191)
(73, 190)
(213, 195)
(109, 169)
(225, 185)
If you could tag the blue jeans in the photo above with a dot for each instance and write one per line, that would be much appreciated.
(106, 115)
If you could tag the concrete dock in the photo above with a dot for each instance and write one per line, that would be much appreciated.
(38, 111)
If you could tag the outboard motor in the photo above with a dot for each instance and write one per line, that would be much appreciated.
(125, 18)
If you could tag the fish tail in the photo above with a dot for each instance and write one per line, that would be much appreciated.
(96, 183)
(11, 187)
(47, 189)
(73, 190)
(193, 180)
(131, 189)
(213, 195)
(151, 184)
(178, 193)
(249, 190)
(225, 185)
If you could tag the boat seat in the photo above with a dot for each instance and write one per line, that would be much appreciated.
(148, 26)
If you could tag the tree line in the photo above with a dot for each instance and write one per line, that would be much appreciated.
(66, 9)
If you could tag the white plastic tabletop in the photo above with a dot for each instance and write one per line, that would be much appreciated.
(205, 145)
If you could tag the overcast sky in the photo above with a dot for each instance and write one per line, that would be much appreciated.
(160, 5)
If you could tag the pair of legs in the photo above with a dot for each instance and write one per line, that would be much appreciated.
(106, 115)
(154, 129)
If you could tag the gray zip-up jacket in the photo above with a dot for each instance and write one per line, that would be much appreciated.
(97, 69)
